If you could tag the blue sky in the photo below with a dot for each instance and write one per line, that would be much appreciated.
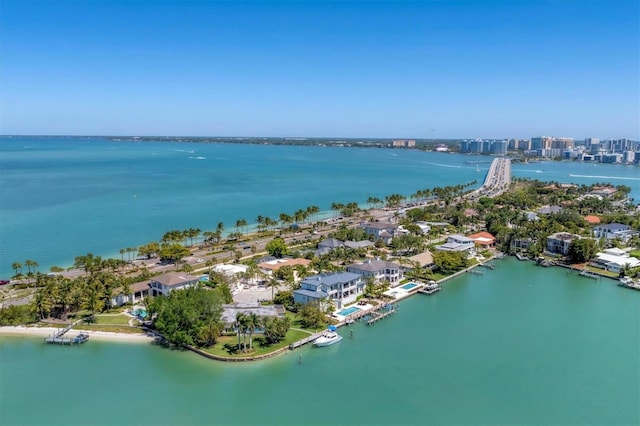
(420, 69)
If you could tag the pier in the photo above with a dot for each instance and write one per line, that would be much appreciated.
(304, 341)
(429, 291)
(381, 313)
(59, 339)
(588, 274)
(475, 271)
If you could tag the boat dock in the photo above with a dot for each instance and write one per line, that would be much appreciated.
(429, 291)
(304, 341)
(59, 339)
(629, 283)
(591, 275)
(381, 313)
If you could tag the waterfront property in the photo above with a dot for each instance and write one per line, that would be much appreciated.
(484, 239)
(560, 242)
(230, 312)
(615, 260)
(164, 284)
(379, 270)
(339, 288)
(459, 243)
(138, 291)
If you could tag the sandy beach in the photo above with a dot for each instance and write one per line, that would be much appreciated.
(97, 335)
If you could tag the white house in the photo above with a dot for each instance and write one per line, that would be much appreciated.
(615, 260)
(164, 284)
(560, 242)
(380, 270)
(341, 288)
(613, 231)
(138, 292)
(459, 242)
(384, 231)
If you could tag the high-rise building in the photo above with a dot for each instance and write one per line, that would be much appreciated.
(403, 143)
(562, 143)
(589, 141)
(541, 142)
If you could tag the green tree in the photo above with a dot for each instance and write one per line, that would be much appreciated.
(582, 250)
(311, 316)
(277, 247)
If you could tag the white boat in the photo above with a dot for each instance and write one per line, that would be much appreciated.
(431, 286)
(328, 337)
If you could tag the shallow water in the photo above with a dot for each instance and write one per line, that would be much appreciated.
(518, 345)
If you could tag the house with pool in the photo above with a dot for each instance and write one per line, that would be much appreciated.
(380, 270)
(339, 288)
(164, 284)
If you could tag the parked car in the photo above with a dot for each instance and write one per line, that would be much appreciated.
(4, 282)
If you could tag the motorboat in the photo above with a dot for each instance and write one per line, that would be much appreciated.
(432, 285)
(328, 337)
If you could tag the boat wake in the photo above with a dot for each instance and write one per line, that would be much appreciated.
(604, 177)
(185, 150)
(198, 158)
(443, 165)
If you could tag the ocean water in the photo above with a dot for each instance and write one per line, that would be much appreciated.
(61, 198)
(519, 345)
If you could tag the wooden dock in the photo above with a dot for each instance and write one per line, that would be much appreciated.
(304, 341)
(475, 271)
(588, 274)
(381, 313)
(59, 339)
(429, 291)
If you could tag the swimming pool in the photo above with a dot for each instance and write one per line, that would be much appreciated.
(409, 286)
(348, 311)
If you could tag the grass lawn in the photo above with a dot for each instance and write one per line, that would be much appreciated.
(227, 345)
(112, 319)
(111, 328)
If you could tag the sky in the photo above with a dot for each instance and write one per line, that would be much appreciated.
(374, 69)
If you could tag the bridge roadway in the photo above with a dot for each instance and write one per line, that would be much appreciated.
(497, 181)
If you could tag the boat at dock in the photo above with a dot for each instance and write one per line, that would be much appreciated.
(328, 337)
(628, 283)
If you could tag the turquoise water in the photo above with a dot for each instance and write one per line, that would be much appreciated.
(520, 345)
(348, 311)
(61, 198)
(409, 286)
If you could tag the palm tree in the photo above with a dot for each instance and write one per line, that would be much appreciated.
(239, 324)
(273, 283)
(17, 266)
(253, 322)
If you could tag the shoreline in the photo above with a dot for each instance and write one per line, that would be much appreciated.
(42, 332)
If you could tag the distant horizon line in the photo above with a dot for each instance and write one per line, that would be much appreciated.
(300, 138)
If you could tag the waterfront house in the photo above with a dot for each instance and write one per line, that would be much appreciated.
(231, 271)
(358, 244)
(339, 288)
(560, 242)
(164, 284)
(384, 231)
(615, 260)
(484, 239)
(460, 243)
(380, 270)
(614, 231)
(137, 293)
(230, 312)
(549, 210)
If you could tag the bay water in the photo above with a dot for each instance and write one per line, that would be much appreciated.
(519, 345)
(65, 197)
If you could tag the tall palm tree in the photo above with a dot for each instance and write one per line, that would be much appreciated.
(239, 324)
(273, 283)
(253, 322)
(17, 266)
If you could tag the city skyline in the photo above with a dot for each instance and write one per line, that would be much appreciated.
(419, 70)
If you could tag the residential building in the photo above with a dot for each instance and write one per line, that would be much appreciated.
(339, 288)
(384, 231)
(273, 265)
(615, 260)
(166, 283)
(541, 142)
(459, 243)
(403, 143)
(614, 231)
(560, 242)
(137, 293)
(380, 270)
(230, 312)
(484, 239)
